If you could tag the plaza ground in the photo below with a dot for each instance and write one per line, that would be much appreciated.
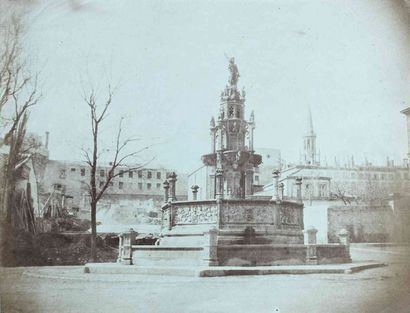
(68, 289)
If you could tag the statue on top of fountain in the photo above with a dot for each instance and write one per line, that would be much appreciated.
(233, 68)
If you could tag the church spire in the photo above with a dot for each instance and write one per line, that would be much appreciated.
(310, 130)
(309, 143)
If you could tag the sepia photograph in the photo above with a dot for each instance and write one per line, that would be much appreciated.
(179, 156)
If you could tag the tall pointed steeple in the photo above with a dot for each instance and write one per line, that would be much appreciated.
(309, 143)
(310, 130)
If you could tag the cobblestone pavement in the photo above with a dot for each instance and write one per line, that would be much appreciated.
(67, 289)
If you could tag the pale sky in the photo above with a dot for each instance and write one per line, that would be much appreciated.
(347, 60)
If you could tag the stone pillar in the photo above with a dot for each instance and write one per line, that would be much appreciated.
(311, 253)
(311, 234)
(195, 192)
(281, 191)
(213, 134)
(252, 128)
(166, 191)
(120, 246)
(344, 237)
(299, 189)
(127, 241)
(275, 176)
(219, 183)
(345, 240)
(172, 186)
(210, 256)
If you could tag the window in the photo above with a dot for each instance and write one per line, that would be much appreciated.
(353, 175)
(82, 171)
(158, 186)
(158, 175)
(149, 186)
(149, 174)
(238, 113)
(101, 184)
(120, 185)
(139, 174)
(111, 184)
(257, 178)
(102, 173)
(121, 173)
(62, 174)
(130, 174)
(72, 169)
(140, 186)
(230, 112)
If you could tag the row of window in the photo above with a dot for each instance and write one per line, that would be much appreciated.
(121, 173)
(140, 185)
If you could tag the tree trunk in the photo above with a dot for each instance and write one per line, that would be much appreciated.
(93, 231)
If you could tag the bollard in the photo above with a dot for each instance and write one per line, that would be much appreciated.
(209, 255)
(345, 241)
(311, 251)
(127, 242)
(311, 234)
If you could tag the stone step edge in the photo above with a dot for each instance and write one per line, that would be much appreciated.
(112, 268)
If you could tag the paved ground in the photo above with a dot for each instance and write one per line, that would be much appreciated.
(67, 289)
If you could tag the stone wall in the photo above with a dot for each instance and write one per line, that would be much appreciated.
(364, 223)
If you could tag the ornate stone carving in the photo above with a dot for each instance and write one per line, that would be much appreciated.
(196, 215)
(289, 216)
(247, 214)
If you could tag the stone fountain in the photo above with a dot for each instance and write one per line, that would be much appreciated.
(231, 228)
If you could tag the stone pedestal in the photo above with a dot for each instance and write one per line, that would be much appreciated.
(311, 252)
(344, 239)
(210, 257)
(125, 251)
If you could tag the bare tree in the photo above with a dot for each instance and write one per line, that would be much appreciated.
(18, 92)
(119, 158)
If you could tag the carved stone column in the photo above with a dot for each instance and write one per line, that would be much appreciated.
(166, 191)
(299, 189)
(344, 239)
(195, 192)
(219, 183)
(281, 191)
(172, 186)
(275, 176)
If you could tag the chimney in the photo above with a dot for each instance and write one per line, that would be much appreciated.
(47, 135)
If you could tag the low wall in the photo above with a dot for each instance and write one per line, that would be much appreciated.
(327, 254)
(364, 223)
(264, 255)
(166, 256)
(252, 255)
(240, 255)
